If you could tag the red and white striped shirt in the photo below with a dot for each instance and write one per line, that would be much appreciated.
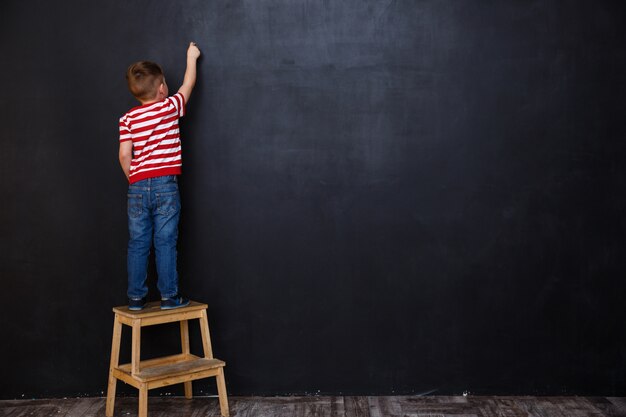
(153, 128)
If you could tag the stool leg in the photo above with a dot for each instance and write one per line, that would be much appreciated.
(184, 341)
(115, 356)
(136, 347)
(206, 338)
(221, 391)
(143, 400)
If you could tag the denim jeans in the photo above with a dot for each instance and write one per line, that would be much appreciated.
(153, 213)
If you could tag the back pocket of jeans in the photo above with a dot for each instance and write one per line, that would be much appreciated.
(135, 204)
(168, 203)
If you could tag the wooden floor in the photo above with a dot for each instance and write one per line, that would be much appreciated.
(396, 406)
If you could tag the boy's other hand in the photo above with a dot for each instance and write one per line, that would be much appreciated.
(193, 51)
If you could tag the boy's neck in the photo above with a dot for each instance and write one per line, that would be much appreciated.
(144, 102)
(159, 97)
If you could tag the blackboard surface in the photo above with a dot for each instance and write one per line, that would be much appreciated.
(379, 197)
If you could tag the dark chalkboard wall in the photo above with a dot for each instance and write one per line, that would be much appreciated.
(378, 196)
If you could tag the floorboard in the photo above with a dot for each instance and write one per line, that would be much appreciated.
(327, 406)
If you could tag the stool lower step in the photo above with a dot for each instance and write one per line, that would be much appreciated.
(170, 366)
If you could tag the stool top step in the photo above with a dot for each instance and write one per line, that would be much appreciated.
(153, 309)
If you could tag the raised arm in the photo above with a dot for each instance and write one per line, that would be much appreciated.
(193, 53)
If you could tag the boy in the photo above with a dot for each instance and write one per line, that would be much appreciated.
(150, 156)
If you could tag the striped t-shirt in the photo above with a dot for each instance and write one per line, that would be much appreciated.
(153, 128)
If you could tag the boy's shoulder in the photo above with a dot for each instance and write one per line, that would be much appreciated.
(132, 111)
(175, 101)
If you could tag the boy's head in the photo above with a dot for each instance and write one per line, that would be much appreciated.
(146, 81)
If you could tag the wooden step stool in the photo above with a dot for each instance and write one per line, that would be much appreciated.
(168, 370)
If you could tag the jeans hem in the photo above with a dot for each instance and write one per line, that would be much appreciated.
(169, 296)
(136, 297)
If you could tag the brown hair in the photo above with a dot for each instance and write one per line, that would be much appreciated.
(143, 79)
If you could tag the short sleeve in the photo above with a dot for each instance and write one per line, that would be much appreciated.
(124, 131)
(178, 101)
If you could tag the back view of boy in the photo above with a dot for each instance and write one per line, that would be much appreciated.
(150, 156)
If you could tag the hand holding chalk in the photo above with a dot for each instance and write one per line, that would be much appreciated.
(193, 51)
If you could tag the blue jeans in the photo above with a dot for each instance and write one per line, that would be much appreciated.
(153, 212)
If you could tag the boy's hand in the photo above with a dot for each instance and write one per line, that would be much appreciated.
(193, 51)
